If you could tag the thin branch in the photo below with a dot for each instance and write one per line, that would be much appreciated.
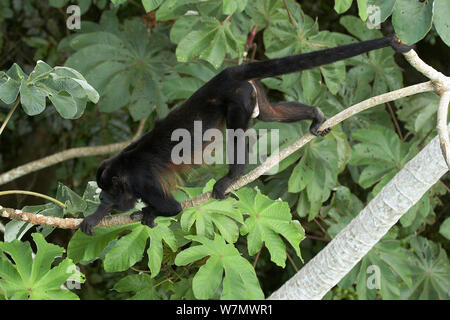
(67, 155)
(322, 228)
(31, 193)
(442, 87)
(291, 21)
(257, 255)
(70, 223)
(8, 116)
(291, 261)
(394, 118)
(445, 186)
(2, 228)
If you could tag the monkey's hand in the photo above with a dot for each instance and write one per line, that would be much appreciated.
(399, 46)
(88, 224)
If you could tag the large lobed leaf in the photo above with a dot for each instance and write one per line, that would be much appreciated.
(33, 278)
(239, 281)
(127, 67)
(66, 89)
(268, 220)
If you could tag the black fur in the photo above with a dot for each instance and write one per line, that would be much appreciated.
(140, 170)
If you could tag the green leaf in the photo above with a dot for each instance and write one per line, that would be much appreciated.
(85, 248)
(208, 43)
(362, 9)
(412, 30)
(127, 250)
(32, 278)
(445, 228)
(231, 6)
(221, 214)
(430, 271)
(268, 220)
(17, 229)
(381, 151)
(32, 99)
(150, 5)
(141, 284)
(41, 70)
(419, 112)
(384, 7)
(239, 282)
(125, 67)
(9, 89)
(181, 88)
(72, 200)
(440, 19)
(77, 77)
(172, 9)
(317, 173)
(340, 6)
(380, 271)
(157, 235)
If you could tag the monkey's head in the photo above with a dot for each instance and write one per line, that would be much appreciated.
(116, 191)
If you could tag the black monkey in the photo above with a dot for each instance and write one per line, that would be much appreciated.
(142, 169)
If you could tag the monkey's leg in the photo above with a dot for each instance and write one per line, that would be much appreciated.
(158, 204)
(294, 111)
(237, 151)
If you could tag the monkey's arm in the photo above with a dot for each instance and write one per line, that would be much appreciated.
(159, 203)
(88, 223)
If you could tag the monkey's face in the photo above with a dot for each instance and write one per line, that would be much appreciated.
(116, 192)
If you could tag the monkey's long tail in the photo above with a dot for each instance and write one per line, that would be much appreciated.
(275, 67)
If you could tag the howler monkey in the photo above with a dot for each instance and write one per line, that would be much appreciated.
(141, 170)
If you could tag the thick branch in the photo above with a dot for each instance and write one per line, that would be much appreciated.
(246, 179)
(67, 155)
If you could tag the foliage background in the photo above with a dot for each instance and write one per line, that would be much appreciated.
(143, 58)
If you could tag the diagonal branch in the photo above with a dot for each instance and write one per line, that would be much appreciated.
(70, 223)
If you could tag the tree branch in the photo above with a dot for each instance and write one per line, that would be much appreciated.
(442, 87)
(67, 155)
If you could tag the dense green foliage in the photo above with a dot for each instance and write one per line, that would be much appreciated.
(126, 64)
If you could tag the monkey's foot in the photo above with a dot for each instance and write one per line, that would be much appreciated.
(148, 220)
(218, 191)
(320, 133)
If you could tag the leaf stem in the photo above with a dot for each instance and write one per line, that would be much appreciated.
(9, 115)
(31, 193)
